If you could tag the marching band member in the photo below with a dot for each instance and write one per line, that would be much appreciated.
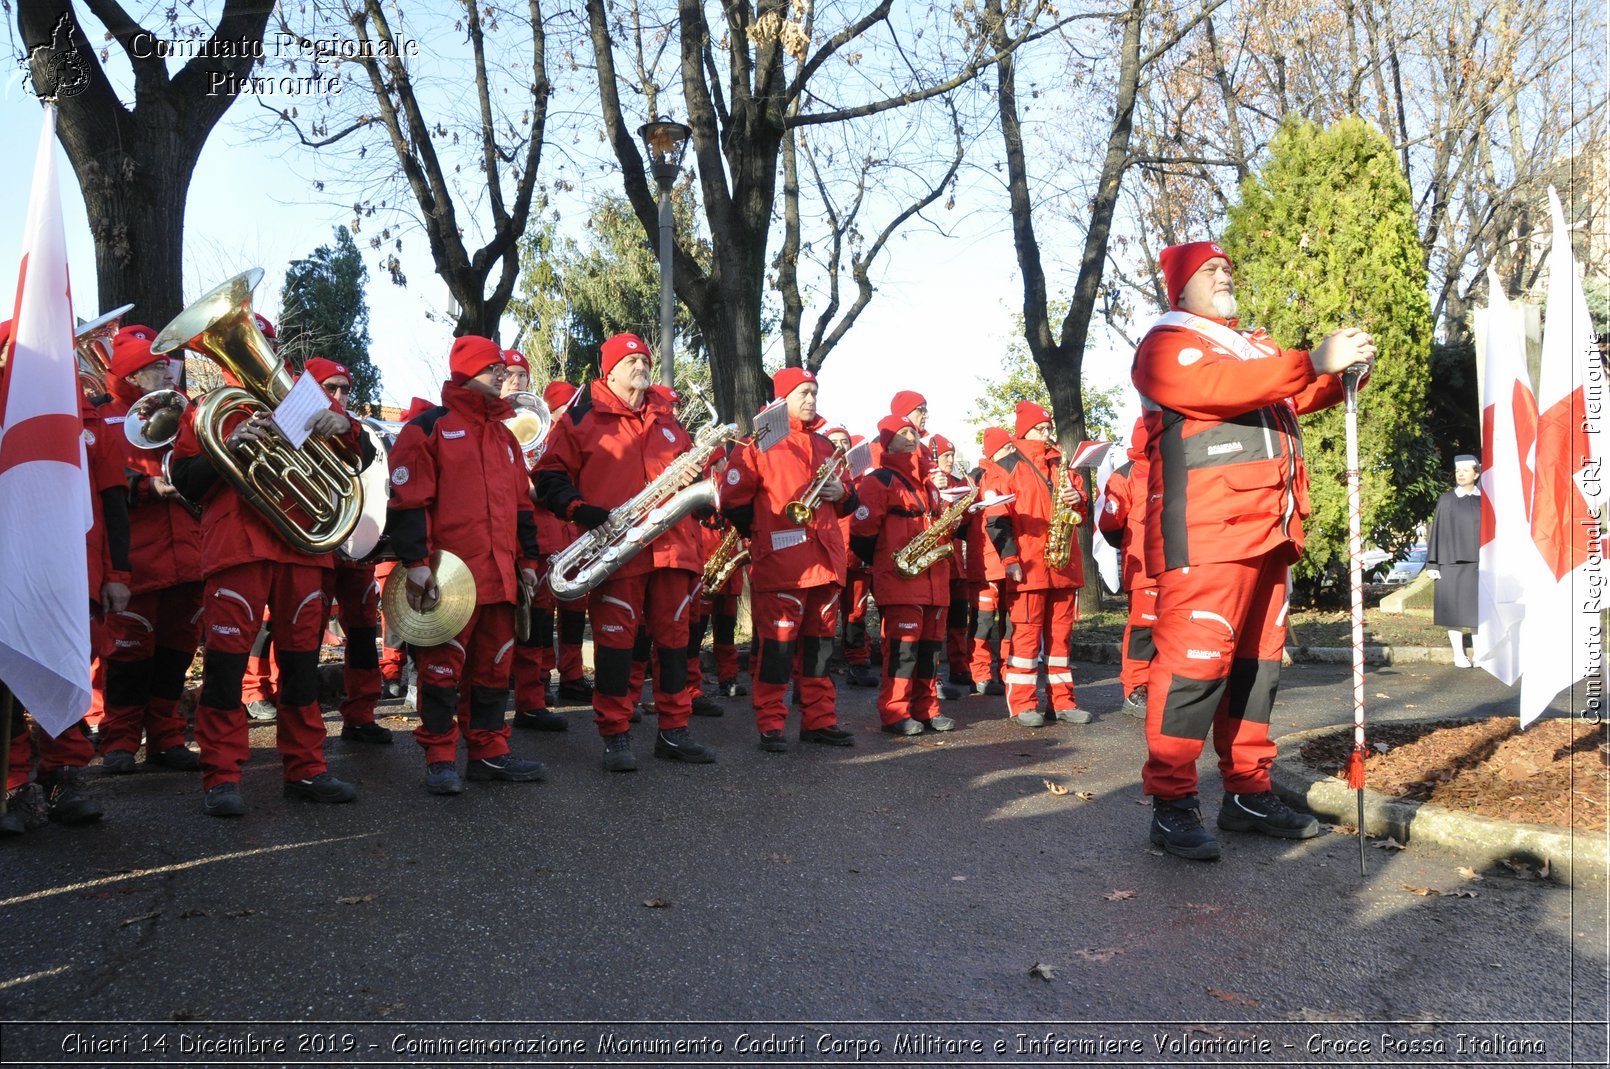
(393, 650)
(568, 621)
(991, 624)
(615, 438)
(720, 607)
(355, 589)
(857, 593)
(1123, 524)
(1226, 470)
(797, 565)
(517, 379)
(958, 662)
(459, 483)
(248, 567)
(150, 645)
(1045, 606)
(896, 504)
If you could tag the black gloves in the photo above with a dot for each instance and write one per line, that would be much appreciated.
(590, 516)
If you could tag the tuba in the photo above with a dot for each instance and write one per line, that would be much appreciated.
(529, 425)
(92, 345)
(577, 569)
(937, 542)
(153, 421)
(319, 480)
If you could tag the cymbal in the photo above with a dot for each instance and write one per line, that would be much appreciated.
(451, 612)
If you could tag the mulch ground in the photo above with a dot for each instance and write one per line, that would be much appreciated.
(1555, 772)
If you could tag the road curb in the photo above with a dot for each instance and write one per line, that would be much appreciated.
(1573, 856)
(1376, 656)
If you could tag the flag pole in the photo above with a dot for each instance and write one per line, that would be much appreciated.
(1355, 574)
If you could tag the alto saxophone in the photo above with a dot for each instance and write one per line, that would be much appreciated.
(587, 562)
(724, 561)
(936, 543)
(1064, 518)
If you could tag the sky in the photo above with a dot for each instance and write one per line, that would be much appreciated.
(939, 324)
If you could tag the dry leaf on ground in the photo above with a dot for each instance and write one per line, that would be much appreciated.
(1054, 787)
(1423, 892)
(1233, 997)
(353, 900)
(1042, 971)
(1470, 874)
(1099, 953)
(1118, 896)
(1389, 843)
(657, 903)
(1085, 796)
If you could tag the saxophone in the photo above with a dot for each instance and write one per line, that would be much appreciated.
(577, 569)
(1064, 518)
(724, 561)
(936, 543)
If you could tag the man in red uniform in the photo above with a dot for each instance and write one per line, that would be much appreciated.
(796, 569)
(149, 645)
(1044, 605)
(896, 504)
(250, 568)
(958, 660)
(459, 483)
(615, 438)
(991, 624)
(393, 650)
(566, 619)
(857, 592)
(356, 592)
(1228, 492)
(1123, 524)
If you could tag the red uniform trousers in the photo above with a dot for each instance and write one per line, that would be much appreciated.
(533, 657)
(853, 601)
(357, 596)
(796, 629)
(481, 656)
(958, 652)
(1041, 619)
(1219, 634)
(1139, 649)
(572, 628)
(393, 654)
(992, 628)
(71, 749)
(232, 611)
(148, 651)
(723, 609)
(912, 638)
(656, 604)
(97, 672)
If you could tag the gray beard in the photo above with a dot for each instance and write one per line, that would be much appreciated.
(1224, 305)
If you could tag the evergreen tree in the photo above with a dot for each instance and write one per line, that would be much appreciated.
(323, 312)
(1324, 238)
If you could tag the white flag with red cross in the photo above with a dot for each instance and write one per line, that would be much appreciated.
(44, 477)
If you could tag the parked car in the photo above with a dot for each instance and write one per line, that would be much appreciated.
(1407, 568)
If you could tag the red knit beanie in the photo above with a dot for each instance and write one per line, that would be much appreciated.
(416, 408)
(1030, 416)
(558, 394)
(941, 445)
(788, 379)
(906, 402)
(995, 439)
(131, 351)
(1179, 263)
(471, 355)
(889, 426)
(266, 327)
(618, 348)
(322, 369)
(516, 359)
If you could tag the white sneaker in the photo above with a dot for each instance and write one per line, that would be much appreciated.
(1461, 661)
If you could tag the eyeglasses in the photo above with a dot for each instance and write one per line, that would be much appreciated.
(347, 389)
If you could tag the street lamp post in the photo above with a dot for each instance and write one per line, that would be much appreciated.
(665, 141)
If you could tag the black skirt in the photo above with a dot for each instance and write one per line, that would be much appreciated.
(1455, 601)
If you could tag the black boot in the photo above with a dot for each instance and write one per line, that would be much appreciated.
(69, 801)
(1177, 828)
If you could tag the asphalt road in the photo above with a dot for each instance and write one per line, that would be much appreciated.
(878, 905)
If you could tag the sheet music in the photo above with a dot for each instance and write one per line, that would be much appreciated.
(771, 424)
(305, 400)
(1089, 454)
(992, 499)
(859, 459)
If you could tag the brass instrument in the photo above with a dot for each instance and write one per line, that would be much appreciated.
(530, 425)
(726, 559)
(153, 421)
(802, 512)
(320, 479)
(587, 562)
(1064, 518)
(92, 345)
(937, 542)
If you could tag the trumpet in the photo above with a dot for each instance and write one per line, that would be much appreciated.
(153, 421)
(530, 425)
(803, 512)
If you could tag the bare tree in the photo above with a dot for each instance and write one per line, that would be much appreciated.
(134, 164)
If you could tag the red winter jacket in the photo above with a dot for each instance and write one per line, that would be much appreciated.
(895, 505)
(232, 530)
(106, 545)
(1226, 479)
(164, 537)
(458, 482)
(754, 491)
(1123, 516)
(601, 452)
(1021, 527)
(991, 479)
